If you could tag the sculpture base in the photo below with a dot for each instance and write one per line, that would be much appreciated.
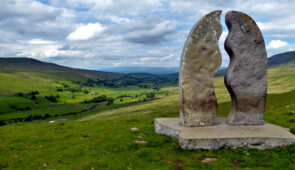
(222, 135)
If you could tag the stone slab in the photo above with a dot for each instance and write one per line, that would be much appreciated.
(222, 135)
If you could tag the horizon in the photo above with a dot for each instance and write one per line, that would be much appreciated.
(94, 34)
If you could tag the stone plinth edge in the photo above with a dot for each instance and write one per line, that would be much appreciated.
(222, 135)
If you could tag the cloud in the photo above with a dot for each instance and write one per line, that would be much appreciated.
(148, 58)
(40, 42)
(32, 18)
(277, 44)
(86, 32)
(150, 31)
(95, 33)
(167, 57)
(117, 64)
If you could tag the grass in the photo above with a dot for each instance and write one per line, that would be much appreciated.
(107, 143)
(70, 101)
(103, 139)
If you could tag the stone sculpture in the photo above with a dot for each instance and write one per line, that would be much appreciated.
(245, 78)
(200, 61)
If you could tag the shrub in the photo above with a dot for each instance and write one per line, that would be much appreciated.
(2, 123)
(59, 89)
(34, 93)
(51, 98)
(150, 95)
(20, 94)
(99, 99)
(28, 118)
(46, 115)
(27, 108)
(292, 130)
(33, 97)
(110, 100)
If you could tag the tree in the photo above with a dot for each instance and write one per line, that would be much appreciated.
(150, 95)
(110, 100)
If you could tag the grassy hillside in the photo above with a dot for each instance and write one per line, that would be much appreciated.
(282, 58)
(273, 61)
(281, 80)
(50, 70)
(102, 138)
(108, 143)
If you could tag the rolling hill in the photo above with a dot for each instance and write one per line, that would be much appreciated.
(102, 139)
(9, 65)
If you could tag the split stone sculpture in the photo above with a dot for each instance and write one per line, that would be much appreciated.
(200, 61)
(245, 80)
(246, 76)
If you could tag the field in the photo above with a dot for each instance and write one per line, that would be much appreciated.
(102, 139)
(24, 96)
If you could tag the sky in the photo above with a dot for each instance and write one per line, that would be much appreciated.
(95, 34)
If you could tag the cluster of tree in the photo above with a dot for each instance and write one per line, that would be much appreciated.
(73, 89)
(20, 108)
(154, 82)
(42, 116)
(100, 99)
(32, 93)
(52, 98)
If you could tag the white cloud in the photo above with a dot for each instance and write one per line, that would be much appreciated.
(150, 31)
(40, 42)
(117, 64)
(166, 57)
(277, 44)
(86, 32)
(147, 58)
(139, 32)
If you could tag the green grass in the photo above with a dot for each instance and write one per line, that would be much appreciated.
(103, 140)
(15, 108)
(108, 143)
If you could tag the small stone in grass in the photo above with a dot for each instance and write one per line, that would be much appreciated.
(208, 160)
(141, 142)
(134, 129)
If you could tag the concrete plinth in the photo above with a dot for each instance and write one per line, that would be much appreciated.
(222, 135)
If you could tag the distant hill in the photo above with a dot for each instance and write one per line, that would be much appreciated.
(52, 70)
(19, 67)
(137, 69)
(273, 61)
(149, 70)
(67, 73)
(282, 58)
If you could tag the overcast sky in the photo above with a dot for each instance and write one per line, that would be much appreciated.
(95, 34)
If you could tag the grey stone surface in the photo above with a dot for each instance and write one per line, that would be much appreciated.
(223, 135)
(168, 127)
(200, 61)
(246, 76)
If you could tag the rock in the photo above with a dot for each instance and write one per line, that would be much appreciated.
(200, 61)
(209, 160)
(141, 142)
(134, 129)
(246, 76)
